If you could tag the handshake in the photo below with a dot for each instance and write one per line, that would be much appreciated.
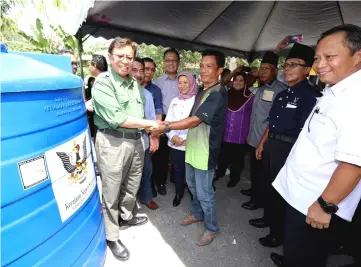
(156, 128)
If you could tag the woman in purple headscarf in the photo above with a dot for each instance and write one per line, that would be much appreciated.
(236, 130)
(180, 109)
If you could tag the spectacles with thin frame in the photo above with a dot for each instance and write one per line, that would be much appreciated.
(122, 57)
(293, 65)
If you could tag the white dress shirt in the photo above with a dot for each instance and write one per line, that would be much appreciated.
(179, 110)
(331, 134)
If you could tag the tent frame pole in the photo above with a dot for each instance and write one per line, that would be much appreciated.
(80, 50)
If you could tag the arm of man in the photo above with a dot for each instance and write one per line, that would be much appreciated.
(259, 149)
(107, 107)
(348, 173)
(229, 77)
(204, 113)
(158, 104)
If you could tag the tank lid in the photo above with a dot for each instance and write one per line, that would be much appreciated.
(22, 73)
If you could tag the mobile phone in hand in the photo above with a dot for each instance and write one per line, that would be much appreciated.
(295, 39)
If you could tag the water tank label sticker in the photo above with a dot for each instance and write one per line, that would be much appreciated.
(71, 171)
(32, 172)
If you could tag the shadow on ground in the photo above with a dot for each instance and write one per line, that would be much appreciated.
(163, 242)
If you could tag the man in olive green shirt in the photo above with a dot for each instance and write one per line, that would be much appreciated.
(118, 103)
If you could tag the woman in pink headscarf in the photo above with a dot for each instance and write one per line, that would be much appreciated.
(180, 109)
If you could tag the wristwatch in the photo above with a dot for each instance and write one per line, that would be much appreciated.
(166, 128)
(327, 207)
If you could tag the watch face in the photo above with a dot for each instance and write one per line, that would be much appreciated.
(331, 208)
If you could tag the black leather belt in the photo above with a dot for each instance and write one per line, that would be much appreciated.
(126, 135)
(284, 138)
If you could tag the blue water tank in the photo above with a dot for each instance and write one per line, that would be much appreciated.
(50, 206)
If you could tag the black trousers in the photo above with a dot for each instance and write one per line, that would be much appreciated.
(160, 160)
(353, 238)
(305, 246)
(231, 155)
(92, 127)
(179, 169)
(274, 156)
(257, 179)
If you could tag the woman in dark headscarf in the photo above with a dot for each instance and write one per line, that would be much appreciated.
(238, 119)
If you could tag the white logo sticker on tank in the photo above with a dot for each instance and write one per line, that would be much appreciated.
(71, 171)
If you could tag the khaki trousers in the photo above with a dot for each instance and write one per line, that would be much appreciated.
(120, 161)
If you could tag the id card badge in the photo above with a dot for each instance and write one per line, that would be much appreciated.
(268, 95)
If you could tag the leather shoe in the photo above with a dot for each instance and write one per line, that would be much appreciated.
(246, 192)
(119, 251)
(136, 221)
(270, 241)
(152, 205)
(258, 223)
(250, 205)
(162, 190)
(177, 200)
(277, 259)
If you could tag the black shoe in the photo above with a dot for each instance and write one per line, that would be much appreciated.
(162, 190)
(177, 200)
(246, 192)
(119, 251)
(258, 223)
(277, 259)
(250, 205)
(270, 241)
(135, 221)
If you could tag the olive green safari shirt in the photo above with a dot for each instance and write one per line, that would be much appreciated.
(115, 99)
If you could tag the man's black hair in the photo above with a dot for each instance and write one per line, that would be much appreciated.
(140, 60)
(148, 59)
(171, 50)
(65, 51)
(352, 38)
(220, 58)
(100, 62)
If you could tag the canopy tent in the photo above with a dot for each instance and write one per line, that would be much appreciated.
(242, 29)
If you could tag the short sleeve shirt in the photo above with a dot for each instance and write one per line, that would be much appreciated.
(204, 141)
(291, 108)
(157, 97)
(330, 135)
(262, 104)
(114, 99)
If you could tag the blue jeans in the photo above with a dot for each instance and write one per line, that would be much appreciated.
(145, 189)
(204, 203)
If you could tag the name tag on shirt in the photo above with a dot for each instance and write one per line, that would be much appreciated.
(267, 95)
(291, 105)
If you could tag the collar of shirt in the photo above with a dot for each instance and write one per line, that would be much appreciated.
(300, 85)
(348, 82)
(271, 83)
(120, 80)
(167, 77)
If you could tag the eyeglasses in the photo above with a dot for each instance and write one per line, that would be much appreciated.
(122, 57)
(169, 61)
(75, 63)
(293, 65)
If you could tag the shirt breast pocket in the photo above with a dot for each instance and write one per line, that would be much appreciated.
(321, 130)
(123, 98)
